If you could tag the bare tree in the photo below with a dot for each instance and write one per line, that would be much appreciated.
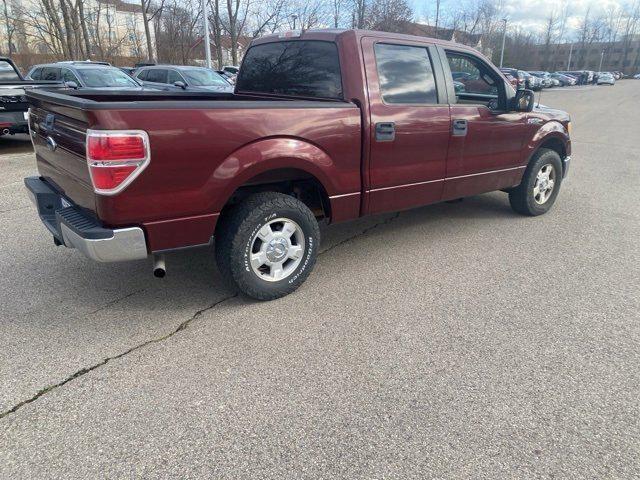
(10, 28)
(268, 17)
(550, 32)
(149, 12)
(359, 13)
(337, 7)
(178, 31)
(390, 15)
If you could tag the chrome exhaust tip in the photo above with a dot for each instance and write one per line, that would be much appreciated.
(159, 268)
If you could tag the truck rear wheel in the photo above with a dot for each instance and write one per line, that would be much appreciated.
(540, 184)
(267, 245)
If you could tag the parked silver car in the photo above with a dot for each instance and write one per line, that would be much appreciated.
(185, 77)
(606, 78)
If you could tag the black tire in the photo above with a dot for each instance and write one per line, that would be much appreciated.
(235, 240)
(522, 197)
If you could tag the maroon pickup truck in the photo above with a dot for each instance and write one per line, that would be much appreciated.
(323, 126)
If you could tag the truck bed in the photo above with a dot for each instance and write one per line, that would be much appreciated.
(203, 146)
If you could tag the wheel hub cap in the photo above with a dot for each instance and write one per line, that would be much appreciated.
(544, 184)
(277, 249)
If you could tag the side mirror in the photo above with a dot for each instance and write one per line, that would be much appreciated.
(523, 101)
(71, 84)
(180, 84)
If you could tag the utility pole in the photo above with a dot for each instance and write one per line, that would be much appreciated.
(570, 52)
(294, 17)
(601, 59)
(207, 40)
(504, 36)
(437, 17)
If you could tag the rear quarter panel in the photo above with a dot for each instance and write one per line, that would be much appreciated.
(200, 156)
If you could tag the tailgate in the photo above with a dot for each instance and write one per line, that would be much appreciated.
(59, 143)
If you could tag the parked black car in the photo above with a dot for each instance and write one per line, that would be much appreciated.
(182, 76)
(13, 103)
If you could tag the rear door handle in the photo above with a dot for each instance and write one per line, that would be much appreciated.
(459, 127)
(385, 131)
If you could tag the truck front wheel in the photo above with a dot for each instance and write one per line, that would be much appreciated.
(540, 184)
(267, 245)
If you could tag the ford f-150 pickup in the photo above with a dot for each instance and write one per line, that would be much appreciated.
(326, 125)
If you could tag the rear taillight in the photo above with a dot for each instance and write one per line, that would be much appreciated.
(116, 158)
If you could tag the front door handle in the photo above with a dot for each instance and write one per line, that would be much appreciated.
(385, 131)
(459, 127)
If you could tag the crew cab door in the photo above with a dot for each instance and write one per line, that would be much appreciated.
(409, 122)
(485, 152)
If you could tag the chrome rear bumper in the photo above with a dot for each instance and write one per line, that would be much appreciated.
(73, 228)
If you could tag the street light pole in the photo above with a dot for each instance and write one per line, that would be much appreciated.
(601, 59)
(570, 52)
(207, 40)
(294, 17)
(504, 35)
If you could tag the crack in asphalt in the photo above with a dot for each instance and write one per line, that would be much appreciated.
(179, 328)
(362, 233)
(84, 371)
(116, 301)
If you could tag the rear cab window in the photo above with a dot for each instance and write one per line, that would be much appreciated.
(298, 68)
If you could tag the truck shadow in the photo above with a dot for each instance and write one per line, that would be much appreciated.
(67, 280)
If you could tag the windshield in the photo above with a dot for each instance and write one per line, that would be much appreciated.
(106, 77)
(202, 77)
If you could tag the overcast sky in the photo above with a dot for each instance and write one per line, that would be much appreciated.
(529, 14)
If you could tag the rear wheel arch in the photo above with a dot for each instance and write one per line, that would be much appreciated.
(281, 164)
(296, 182)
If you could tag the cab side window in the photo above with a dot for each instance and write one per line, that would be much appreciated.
(50, 73)
(36, 74)
(157, 75)
(142, 75)
(474, 82)
(175, 77)
(68, 76)
(405, 74)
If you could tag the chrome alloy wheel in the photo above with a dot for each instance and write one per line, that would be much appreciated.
(277, 249)
(545, 183)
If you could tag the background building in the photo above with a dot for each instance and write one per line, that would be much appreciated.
(623, 55)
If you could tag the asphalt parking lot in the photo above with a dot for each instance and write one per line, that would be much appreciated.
(452, 341)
